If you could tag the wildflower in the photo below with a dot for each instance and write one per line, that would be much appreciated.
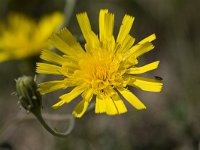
(103, 70)
(22, 37)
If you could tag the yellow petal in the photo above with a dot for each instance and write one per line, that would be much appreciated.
(66, 98)
(143, 46)
(68, 68)
(47, 87)
(139, 50)
(128, 42)
(148, 39)
(131, 98)
(110, 106)
(57, 105)
(44, 68)
(102, 23)
(66, 35)
(81, 108)
(143, 69)
(121, 108)
(100, 106)
(146, 84)
(106, 25)
(61, 45)
(87, 95)
(91, 38)
(73, 94)
(84, 24)
(129, 61)
(50, 56)
(125, 28)
(92, 42)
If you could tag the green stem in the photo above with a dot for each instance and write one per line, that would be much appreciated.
(68, 11)
(48, 128)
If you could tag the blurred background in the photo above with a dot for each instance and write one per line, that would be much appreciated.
(172, 118)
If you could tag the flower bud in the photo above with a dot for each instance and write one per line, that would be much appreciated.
(28, 95)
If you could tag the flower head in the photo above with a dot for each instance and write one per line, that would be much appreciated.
(103, 70)
(22, 37)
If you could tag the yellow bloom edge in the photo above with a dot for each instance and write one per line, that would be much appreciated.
(22, 37)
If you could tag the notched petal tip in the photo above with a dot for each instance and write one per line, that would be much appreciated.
(150, 38)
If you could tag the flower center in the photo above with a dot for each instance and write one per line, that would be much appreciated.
(99, 71)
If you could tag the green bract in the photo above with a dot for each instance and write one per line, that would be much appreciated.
(29, 97)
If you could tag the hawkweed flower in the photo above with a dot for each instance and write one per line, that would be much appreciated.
(104, 69)
(23, 37)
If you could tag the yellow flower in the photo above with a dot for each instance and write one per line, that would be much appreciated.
(22, 37)
(103, 70)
